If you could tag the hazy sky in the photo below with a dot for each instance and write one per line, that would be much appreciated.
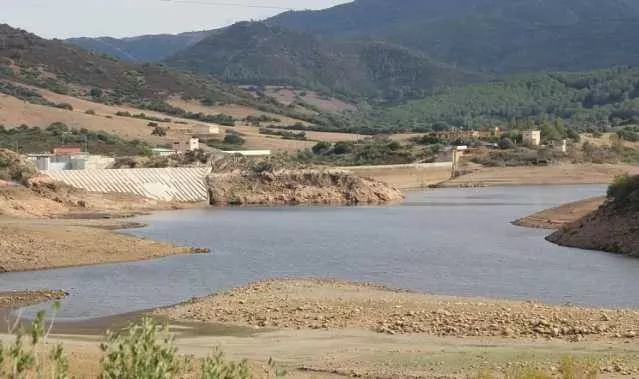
(120, 18)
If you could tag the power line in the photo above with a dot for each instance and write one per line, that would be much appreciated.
(228, 4)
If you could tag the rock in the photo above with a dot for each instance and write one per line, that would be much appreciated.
(260, 183)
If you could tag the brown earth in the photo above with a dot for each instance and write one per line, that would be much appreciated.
(613, 227)
(326, 304)
(542, 175)
(556, 218)
(15, 299)
(297, 187)
(35, 245)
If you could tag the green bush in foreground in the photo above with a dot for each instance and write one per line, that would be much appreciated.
(145, 350)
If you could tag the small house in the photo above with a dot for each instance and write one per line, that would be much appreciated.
(531, 137)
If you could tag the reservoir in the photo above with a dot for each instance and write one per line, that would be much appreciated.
(444, 241)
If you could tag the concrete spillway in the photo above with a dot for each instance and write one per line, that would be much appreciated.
(169, 184)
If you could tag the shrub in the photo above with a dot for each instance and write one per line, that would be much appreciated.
(234, 139)
(322, 147)
(159, 131)
(90, 112)
(506, 143)
(625, 190)
(628, 135)
(66, 106)
(140, 353)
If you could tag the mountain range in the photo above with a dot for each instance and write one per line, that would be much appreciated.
(478, 38)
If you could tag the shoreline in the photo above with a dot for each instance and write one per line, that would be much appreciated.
(561, 216)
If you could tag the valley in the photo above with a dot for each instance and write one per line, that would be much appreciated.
(365, 190)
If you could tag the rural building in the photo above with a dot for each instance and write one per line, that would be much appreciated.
(183, 146)
(531, 137)
(81, 161)
(67, 150)
(205, 130)
(249, 153)
(162, 152)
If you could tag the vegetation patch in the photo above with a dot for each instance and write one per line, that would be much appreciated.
(26, 139)
(624, 190)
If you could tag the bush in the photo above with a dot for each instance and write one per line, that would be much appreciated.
(506, 143)
(90, 112)
(234, 139)
(66, 106)
(625, 190)
(159, 131)
(628, 135)
(145, 350)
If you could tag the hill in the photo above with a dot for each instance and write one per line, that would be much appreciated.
(259, 54)
(147, 48)
(498, 36)
(67, 69)
(591, 99)
(613, 227)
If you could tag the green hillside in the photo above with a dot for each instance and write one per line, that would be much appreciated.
(498, 36)
(255, 53)
(592, 99)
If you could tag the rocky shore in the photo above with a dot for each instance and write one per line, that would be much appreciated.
(611, 228)
(246, 182)
(327, 304)
(14, 299)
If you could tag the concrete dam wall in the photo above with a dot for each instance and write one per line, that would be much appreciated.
(168, 184)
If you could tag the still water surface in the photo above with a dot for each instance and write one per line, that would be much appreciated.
(447, 241)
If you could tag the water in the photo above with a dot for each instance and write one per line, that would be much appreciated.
(446, 241)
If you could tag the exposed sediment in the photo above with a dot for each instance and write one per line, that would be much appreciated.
(560, 216)
(14, 299)
(327, 304)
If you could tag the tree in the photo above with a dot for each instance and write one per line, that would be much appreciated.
(549, 133)
(322, 148)
(159, 131)
(96, 93)
(234, 139)
(506, 143)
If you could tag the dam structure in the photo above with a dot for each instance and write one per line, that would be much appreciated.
(182, 184)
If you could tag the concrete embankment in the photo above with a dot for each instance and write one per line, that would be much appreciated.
(406, 177)
(167, 184)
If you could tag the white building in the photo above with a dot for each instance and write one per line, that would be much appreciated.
(531, 137)
(162, 152)
(205, 129)
(183, 146)
(250, 153)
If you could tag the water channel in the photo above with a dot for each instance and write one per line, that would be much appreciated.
(445, 241)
